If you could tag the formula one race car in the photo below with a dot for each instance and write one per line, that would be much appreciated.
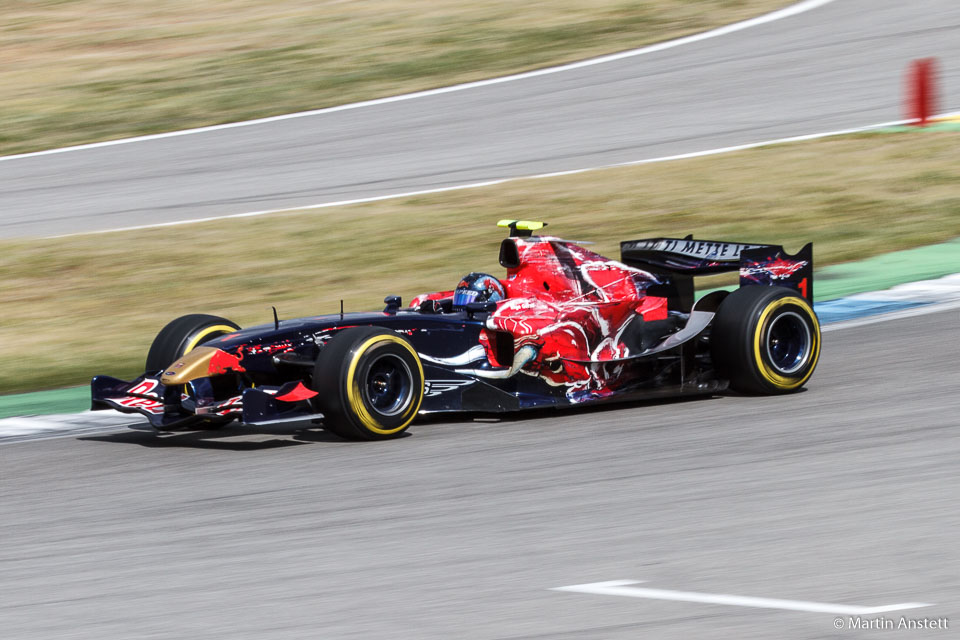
(565, 327)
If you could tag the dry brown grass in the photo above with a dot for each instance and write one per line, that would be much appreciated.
(84, 70)
(78, 306)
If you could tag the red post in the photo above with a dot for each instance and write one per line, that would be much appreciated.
(921, 91)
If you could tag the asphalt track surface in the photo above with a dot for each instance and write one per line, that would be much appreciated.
(838, 66)
(844, 493)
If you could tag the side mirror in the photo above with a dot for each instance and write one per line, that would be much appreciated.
(393, 304)
(480, 307)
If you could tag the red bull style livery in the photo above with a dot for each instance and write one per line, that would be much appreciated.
(562, 327)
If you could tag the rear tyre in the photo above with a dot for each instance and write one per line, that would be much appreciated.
(370, 384)
(183, 335)
(765, 340)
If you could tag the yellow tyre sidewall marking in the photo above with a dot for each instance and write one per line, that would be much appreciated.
(355, 396)
(204, 333)
(783, 382)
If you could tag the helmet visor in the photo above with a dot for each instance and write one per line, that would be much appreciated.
(463, 297)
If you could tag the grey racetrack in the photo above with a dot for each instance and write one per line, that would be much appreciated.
(845, 493)
(838, 66)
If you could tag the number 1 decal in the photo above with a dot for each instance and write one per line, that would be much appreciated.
(803, 287)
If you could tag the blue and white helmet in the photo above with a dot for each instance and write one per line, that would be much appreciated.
(478, 287)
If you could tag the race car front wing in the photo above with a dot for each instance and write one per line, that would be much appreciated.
(182, 407)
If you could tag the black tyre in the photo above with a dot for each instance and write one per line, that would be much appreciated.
(765, 340)
(183, 335)
(370, 384)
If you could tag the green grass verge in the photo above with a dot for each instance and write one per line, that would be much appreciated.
(74, 307)
(80, 71)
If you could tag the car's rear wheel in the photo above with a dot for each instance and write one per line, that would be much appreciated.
(765, 340)
(183, 335)
(369, 382)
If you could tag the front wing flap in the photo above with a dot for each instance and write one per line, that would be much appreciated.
(167, 408)
(144, 395)
(272, 405)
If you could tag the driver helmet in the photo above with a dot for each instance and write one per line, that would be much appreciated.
(478, 287)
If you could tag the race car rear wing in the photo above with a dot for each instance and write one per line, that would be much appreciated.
(677, 261)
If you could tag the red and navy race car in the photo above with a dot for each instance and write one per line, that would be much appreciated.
(564, 327)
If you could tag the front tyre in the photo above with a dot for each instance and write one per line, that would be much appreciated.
(183, 335)
(369, 382)
(765, 340)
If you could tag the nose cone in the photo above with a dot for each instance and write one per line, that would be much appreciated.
(193, 365)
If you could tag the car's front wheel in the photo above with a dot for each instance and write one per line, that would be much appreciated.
(369, 382)
(183, 335)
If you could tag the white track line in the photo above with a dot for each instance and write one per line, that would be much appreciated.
(621, 588)
(488, 183)
(943, 289)
(800, 7)
(27, 428)
(893, 315)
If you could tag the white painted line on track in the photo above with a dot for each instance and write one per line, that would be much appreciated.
(48, 427)
(622, 588)
(489, 183)
(324, 205)
(893, 315)
(792, 10)
(944, 289)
